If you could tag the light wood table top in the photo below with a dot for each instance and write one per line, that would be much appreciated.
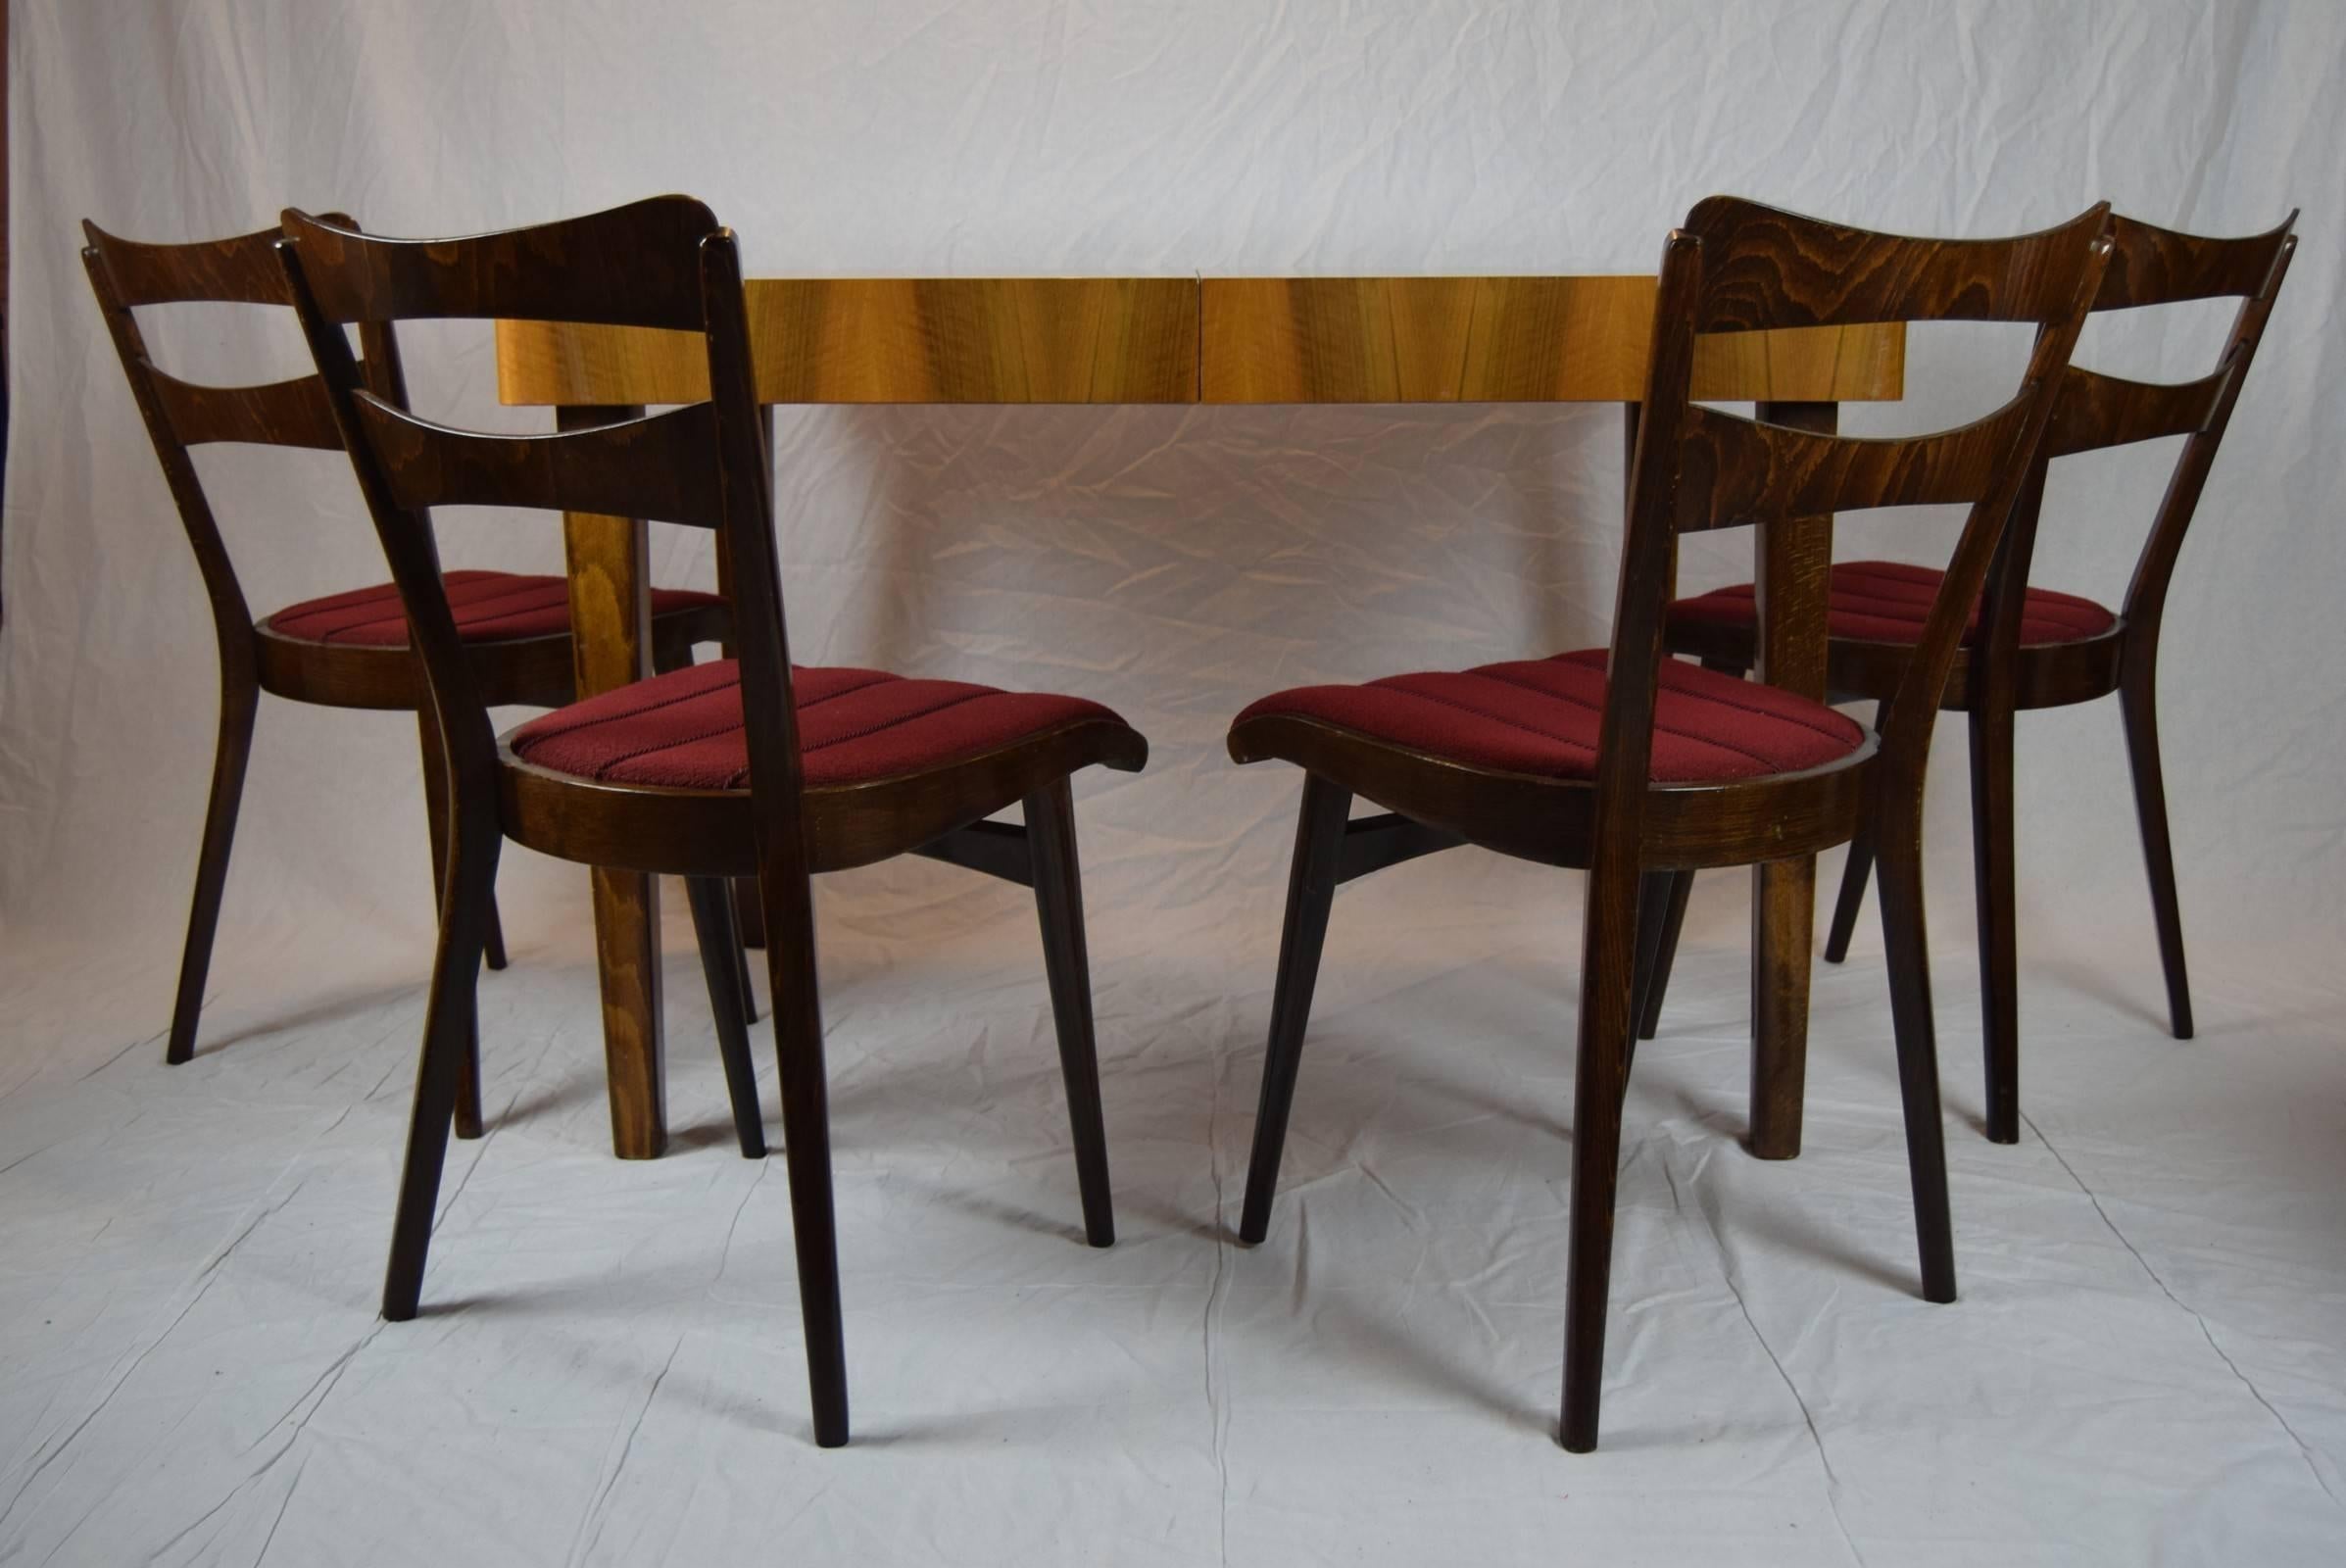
(1567, 339)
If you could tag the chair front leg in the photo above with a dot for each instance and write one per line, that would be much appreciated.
(740, 952)
(448, 1038)
(1661, 916)
(1899, 846)
(1608, 960)
(789, 912)
(1856, 872)
(1999, 952)
(1310, 890)
(239, 699)
(435, 814)
(2138, 702)
(711, 902)
(1059, 906)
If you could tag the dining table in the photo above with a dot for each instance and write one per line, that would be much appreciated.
(1567, 338)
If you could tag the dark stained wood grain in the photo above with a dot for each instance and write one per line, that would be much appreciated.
(1737, 267)
(2001, 675)
(776, 833)
(257, 656)
(1310, 892)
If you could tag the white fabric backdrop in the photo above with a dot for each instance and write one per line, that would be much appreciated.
(1175, 564)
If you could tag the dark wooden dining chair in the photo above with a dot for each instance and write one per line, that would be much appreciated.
(2044, 648)
(1635, 766)
(748, 766)
(345, 649)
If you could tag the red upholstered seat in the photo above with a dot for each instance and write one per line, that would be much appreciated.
(1539, 715)
(683, 730)
(489, 606)
(1885, 602)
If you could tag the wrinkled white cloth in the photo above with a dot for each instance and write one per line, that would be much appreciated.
(2150, 1357)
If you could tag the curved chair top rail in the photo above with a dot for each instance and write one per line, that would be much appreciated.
(1736, 266)
(242, 269)
(2150, 265)
(1766, 269)
(665, 262)
(2154, 265)
(633, 266)
(1742, 266)
(637, 265)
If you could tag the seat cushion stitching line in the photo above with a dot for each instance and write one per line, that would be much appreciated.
(469, 605)
(739, 776)
(902, 719)
(733, 683)
(1497, 719)
(1671, 729)
(580, 725)
(1659, 726)
(603, 769)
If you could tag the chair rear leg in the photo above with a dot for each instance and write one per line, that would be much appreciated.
(711, 903)
(1661, 914)
(1060, 906)
(435, 814)
(1906, 943)
(1999, 953)
(493, 943)
(1855, 874)
(1608, 961)
(789, 914)
(1310, 890)
(2139, 704)
(447, 1038)
(741, 945)
(239, 699)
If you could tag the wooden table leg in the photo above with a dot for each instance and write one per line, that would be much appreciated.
(610, 624)
(1794, 560)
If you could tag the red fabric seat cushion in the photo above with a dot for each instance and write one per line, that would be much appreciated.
(683, 730)
(489, 606)
(1539, 715)
(1885, 602)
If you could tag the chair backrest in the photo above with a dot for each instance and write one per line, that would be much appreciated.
(662, 262)
(1739, 267)
(2151, 265)
(127, 274)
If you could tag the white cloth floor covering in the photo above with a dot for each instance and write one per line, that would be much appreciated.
(2148, 1359)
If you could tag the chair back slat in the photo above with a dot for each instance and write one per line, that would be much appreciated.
(1764, 268)
(2154, 265)
(2160, 267)
(127, 274)
(1740, 267)
(662, 468)
(2099, 411)
(1762, 470)
(659, 263)
(275, 414)
(240, 270)
(633, 265)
